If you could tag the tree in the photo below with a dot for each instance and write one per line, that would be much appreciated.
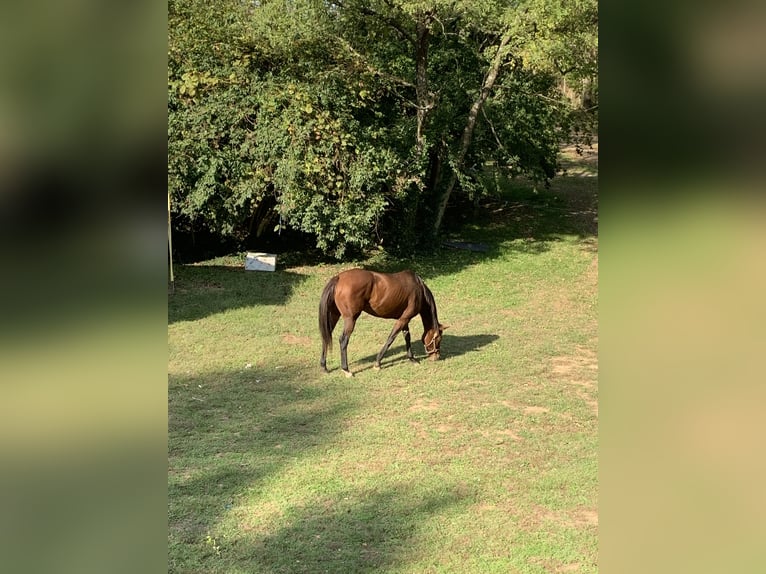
(356, 121)
(488, 40)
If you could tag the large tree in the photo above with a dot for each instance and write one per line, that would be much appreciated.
(357, 121)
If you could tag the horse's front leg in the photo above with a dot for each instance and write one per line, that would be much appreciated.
(408, 344)
(398, 326)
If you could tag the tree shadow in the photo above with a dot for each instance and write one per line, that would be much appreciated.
(228, 432)
(523, 218)
(352, 532)
(518, 218)
(203, 290)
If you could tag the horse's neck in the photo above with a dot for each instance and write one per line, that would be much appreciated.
(426, 316)
(427, 309)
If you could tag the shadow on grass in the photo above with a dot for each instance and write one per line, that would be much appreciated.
(353, 532)
(228, 432)
(229, 435)
(452, 346)
(456, 345)
(202, 290)
(517, 218)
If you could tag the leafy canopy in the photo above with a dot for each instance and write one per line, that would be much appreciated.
(345, 120)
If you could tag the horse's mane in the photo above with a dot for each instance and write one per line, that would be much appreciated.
(428, 302)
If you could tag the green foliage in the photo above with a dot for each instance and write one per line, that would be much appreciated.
(305, 113)
(330, 176)
(564, 34)
(209, 97)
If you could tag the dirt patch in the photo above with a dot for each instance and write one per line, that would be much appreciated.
(420, 431)
(508, 433)
(585, 361)
(587, 517)
(555, 566)
(291, 339)
(539, 514)
(579, 518)
(535, 410)
(421, 406)
(580, 371)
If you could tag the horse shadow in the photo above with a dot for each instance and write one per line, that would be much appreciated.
(452, 346)
(457, 345)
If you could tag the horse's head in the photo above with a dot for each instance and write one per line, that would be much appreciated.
(432, 340)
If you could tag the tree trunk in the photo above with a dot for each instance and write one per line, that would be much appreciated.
(435, 166)
(422, 97)
(473, 115)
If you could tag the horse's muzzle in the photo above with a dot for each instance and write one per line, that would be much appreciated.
(434, 356)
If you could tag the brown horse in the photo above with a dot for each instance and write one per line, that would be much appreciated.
(398, 296)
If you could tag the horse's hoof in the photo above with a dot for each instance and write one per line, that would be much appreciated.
(376, 367)
(349, 374)
(414, 360)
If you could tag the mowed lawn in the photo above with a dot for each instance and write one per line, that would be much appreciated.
(485, 461)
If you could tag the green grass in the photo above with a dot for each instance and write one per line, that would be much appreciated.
(485, 461)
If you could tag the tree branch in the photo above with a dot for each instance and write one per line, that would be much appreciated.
(465, 141)
(492, 129)
(362, 61)
(391, 22)
(560, 70)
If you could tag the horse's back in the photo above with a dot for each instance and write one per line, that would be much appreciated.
(387, 295)
(353, 290)
(355, 281)
(360, 277)
(355, 276)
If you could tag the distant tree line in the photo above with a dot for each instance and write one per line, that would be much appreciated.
(356, 121)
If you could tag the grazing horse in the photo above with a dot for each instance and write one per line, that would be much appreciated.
(398, 296)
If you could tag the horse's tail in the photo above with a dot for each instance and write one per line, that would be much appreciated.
(326, 303)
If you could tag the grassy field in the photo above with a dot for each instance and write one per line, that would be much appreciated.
(485, 461)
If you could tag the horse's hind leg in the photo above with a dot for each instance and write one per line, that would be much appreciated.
(334, 317)
(348, 327)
